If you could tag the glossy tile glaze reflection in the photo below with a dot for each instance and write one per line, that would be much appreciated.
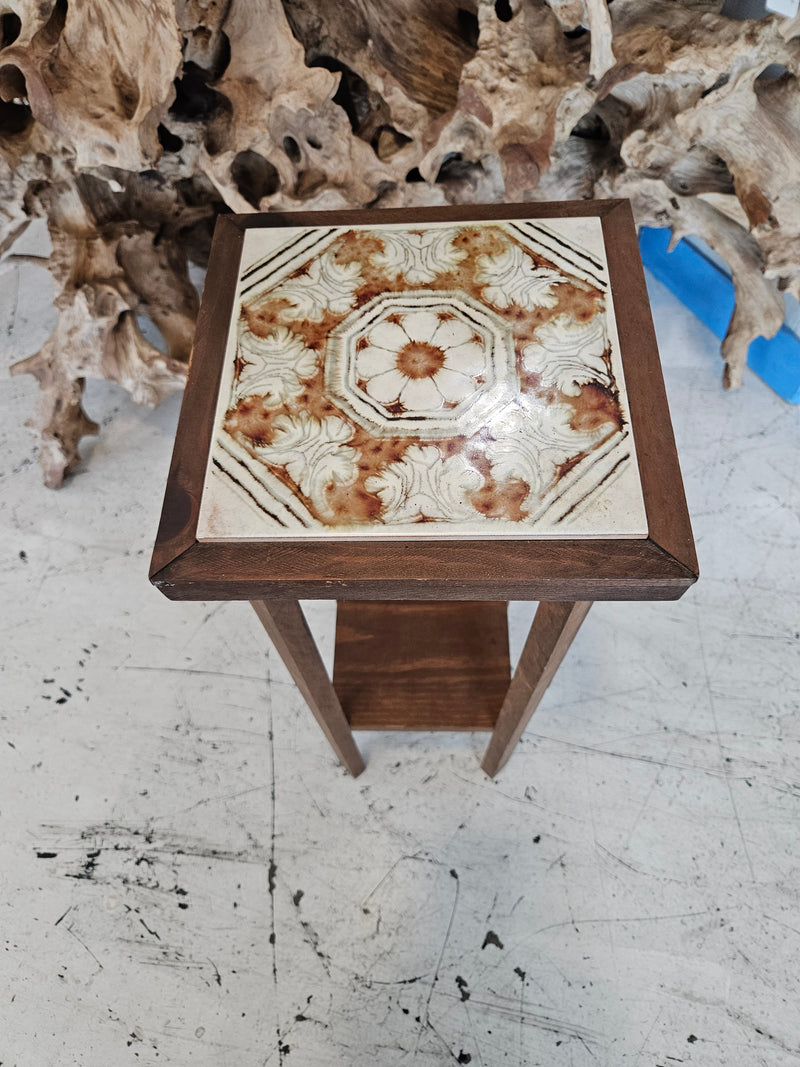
(447, 380)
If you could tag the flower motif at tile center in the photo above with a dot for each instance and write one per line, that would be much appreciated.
(425, 363)
(421, 360)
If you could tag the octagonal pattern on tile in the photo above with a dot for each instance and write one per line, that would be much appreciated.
(421, 363)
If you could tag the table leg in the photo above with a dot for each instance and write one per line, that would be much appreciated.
(554, 626)
(288, 630)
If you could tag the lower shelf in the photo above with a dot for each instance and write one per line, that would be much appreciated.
(411, 665)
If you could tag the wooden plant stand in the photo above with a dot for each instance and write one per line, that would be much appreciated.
(299, 474)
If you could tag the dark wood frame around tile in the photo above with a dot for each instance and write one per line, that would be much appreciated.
(659, 567)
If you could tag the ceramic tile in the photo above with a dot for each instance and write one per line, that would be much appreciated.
(445, 380)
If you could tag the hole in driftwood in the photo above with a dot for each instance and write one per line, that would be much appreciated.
(454, 168)
(502, 8)
(772, 73)
(127, 92)
(699, 171)
(14, 118)
(51, 31)
(15, 111)
(218, 131)
(292, 149)
(352, 94)
(383, 189)
(591, 128)
(414, 175)
(309, 181)
(449, 165)
(194, 98)
(255, 177)
(222, 58)
(12, 84)
(10, 25)
(577, 31)
(723, 79)
(468, 26)
(312, 142)
(743, 9)
(195, 238)
(112, 195)
(387, 140)
(169, 141)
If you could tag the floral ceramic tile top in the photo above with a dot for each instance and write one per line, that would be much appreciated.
(442, 380)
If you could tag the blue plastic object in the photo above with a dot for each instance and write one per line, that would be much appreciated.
(708, 292)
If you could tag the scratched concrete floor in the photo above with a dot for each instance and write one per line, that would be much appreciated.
(187, 877)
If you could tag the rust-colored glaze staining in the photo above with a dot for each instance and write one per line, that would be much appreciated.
(262, 320)
(354, 245)
(250, 420)
(420, 359)
(353, 504)
(595, 408)
(459, 376)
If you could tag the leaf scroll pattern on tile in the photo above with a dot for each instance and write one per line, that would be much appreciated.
(569, 353)
(314, 453)
(512, 277)
(425, 485)
(531, 444)
(273, 367)
(418, 257)
(323, 286)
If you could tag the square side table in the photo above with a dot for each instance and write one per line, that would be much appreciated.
(423, 415)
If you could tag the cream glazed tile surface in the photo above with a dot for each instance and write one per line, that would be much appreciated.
(445, 380)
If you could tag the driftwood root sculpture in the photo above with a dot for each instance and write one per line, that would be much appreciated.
(130, 124)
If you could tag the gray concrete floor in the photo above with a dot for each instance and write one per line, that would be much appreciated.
(188, 877)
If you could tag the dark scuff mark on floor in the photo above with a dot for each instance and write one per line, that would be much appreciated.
(463, 987)
(153, 933)
(491, 939)
(143, 874)
(425, 1021)
(283, 1049)
(311, 938)
(144, 842)
(88, 866)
